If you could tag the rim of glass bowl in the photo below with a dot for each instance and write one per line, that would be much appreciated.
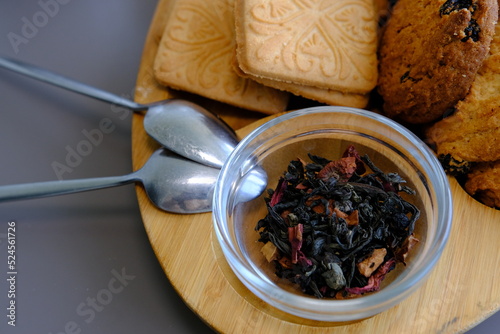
(337, 310)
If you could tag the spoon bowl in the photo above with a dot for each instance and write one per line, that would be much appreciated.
(178, 185)
(190, 131)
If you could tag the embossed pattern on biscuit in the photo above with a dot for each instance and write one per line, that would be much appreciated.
(195, 55)
(328, 44)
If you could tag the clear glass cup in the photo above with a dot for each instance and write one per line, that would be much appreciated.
(327, 131)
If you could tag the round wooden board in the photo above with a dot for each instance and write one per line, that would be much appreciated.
(463, 289)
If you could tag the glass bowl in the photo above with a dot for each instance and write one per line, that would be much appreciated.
(327, 131)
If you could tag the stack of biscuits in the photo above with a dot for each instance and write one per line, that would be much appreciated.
(254, 53)
(415, 61)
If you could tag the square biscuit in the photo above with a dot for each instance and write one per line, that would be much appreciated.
(195, 55)
(327, 96)
(326, 44)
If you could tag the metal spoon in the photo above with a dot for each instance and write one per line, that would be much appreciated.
(171, 182)
(181, 126)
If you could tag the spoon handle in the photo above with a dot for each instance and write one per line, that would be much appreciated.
(54, 188)
(66, 83)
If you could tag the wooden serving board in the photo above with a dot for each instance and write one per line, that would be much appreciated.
(463, 289)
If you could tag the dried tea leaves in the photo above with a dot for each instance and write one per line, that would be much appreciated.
(336, 230)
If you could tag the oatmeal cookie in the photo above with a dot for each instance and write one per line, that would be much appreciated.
(430, 53)
(483, 183)
(472, 133)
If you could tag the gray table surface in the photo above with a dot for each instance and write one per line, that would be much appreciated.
(83, 261)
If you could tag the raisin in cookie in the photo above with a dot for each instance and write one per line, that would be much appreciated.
(430, 53)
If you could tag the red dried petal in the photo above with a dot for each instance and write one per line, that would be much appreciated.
(352, 152)
(295, 239)
(303, 260)
(374, 280)
(341, 169)
(278, 192)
